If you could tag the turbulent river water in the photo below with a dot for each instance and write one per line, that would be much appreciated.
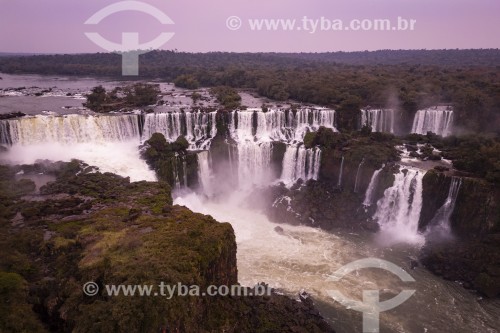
(303, 258)
(299, 257)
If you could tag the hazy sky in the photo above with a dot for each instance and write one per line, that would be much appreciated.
(55, 26)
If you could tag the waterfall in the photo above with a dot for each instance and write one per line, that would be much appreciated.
(357, 175)
(205, 173)
(5, 133)
(175, 163)
(254, 130)
(300, 163)
(441, 219)
(69, 129)
(398, 212)
(184, 173)
(254, 162)
(380, 120)
(279, 125)
(339, 182)
(437, 120)
(197, 127)
(371, 187)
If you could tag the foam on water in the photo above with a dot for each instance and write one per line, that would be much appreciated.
(121, 158)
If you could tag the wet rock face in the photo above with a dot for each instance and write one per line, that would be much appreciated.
(473, 262)
(11, 115)
(477, 209)
(171, 162)
(317, 205)
(435, 190)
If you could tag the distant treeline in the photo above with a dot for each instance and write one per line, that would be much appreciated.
(407, 80)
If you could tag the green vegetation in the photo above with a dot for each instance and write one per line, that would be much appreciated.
(171, 161)
(476, 155)
(111, 231)
(227, 96)
(375, 148)
(136, 95)
(466, 79)
(186, 81)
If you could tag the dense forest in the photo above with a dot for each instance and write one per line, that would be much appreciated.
(408, 80)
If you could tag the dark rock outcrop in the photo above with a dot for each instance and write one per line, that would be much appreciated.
(172, 162)
(474, 262)
(472, 255)
(102, 228)
(317, 205)
(11, 115)
(435, 187)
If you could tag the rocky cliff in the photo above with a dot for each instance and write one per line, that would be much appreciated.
(102, 228)
(348, 162)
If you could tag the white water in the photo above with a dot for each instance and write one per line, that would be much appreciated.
(205, 176)
(197, 127)
(254, 161)
(279, 125)
(380, 120)
(301, 257)
(254, 130)
(371, 187)
(357, 175)
(441, 220)
(339, 182)
(438, 120)
(121, 158)
(300, 163)
(304, 258)
(108, 142)
(69, 129)
(398, 211)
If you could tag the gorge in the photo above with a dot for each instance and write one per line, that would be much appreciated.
(337, 195)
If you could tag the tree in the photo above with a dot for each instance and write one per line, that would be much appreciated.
(96, 99)
(186, 81)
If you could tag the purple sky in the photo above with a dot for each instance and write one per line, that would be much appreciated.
(56, 26)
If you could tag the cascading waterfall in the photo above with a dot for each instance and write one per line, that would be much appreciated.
(197, 127)
(69, 129)
(107, 141)
(380, 120)
(437, 120)
(398, 212)
(371, 187)
(339, 182)
(5, 137)
(254, 130)
(279, 125)
(300, 163)
(184, 173)
(254, 160)
(357, 175)
(175, 161)
(441, 219)
(179, 167)
(205, 176)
